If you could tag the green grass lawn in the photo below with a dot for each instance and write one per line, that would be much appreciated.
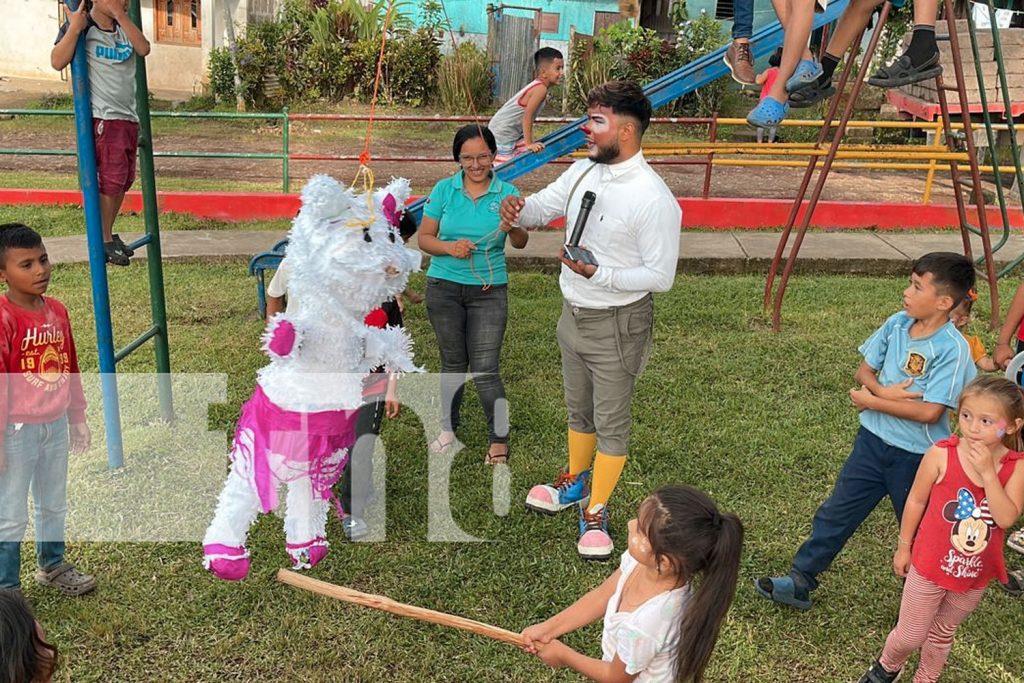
(761, 421)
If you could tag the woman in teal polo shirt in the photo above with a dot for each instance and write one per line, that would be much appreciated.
(467, 284)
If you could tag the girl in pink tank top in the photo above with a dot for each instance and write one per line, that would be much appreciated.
(967, 491)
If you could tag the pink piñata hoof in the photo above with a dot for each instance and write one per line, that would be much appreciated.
(307, 555)
(225, 562)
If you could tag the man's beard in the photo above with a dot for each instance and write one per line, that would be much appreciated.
(605, 155)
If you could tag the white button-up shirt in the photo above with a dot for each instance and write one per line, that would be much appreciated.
(633, 230)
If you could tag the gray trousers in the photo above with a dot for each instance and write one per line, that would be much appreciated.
(603, 352)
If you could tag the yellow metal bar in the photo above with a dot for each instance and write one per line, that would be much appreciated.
(877, 166)
(817, 123)
(928, 181)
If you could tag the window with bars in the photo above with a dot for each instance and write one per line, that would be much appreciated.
(179, 21)
(724, 9)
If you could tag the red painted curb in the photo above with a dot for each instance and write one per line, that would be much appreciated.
(715, 213)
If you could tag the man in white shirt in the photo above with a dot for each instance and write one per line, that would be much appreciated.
(605, 330)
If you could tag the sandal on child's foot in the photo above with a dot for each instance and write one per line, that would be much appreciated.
(768, 113)
(804, 76)
(501, 458)
(903, 72)
(1014, 583)
(877, 673)
(783, 589)
(441, 445)
(1016, 540)
(119, 243)
(811, 95)
(115, 255)
(66, 579)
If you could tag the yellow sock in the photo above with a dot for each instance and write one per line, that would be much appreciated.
(581, 451)
(607, 470)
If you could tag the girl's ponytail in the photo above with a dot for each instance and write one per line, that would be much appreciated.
(702, 545)
(706, 610)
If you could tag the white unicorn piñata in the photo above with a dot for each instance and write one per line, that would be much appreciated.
(346, 259)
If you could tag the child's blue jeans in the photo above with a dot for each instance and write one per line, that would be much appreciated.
(873, 471)
(37, 457)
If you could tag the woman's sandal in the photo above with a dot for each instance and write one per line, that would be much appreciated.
(497, 458)
(66, 579)
(439, 447)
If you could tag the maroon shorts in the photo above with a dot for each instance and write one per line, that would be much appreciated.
(117, 145)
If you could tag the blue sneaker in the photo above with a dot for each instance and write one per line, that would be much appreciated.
(594, 543)
(805, 74)
(768, 113)
(568, 489)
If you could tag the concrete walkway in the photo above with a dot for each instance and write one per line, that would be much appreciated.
(700, 252)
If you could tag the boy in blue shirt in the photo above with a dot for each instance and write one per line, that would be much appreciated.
(915, 366)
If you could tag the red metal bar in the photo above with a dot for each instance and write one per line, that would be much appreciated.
(927, 111)
(826, 166)
(972, 154)
(954, 172)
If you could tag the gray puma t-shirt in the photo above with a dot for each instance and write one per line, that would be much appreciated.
(111, 61)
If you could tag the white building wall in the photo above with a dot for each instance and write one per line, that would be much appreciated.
(32, 26)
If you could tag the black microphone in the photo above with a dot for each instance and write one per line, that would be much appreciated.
(573, 251)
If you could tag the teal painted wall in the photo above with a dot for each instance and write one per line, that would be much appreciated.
(764, 13)
(470, 16)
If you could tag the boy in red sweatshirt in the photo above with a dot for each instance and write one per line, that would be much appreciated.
(43, 409)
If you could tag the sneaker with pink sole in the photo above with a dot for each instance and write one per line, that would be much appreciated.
(595, 543)
(567, 490)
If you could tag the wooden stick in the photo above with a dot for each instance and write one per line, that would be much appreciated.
(388, 605)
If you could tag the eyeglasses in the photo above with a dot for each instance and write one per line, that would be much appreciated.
(479, 160)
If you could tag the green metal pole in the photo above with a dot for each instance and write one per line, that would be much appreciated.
(987, 117)
(997, 54)
(285, 180)
(154, 257)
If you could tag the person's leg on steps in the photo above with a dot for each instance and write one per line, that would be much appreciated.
(738, 56)
(920, 61)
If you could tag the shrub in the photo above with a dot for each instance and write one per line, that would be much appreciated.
(221, 75)
(465, 79)
(697, 38)
(409, 68)
(588, 68)
(258, 61)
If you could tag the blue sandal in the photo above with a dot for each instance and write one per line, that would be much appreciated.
(783, 589)
(805, 74)
(768, 113)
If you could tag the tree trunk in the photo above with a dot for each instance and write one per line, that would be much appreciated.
(229, 29)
